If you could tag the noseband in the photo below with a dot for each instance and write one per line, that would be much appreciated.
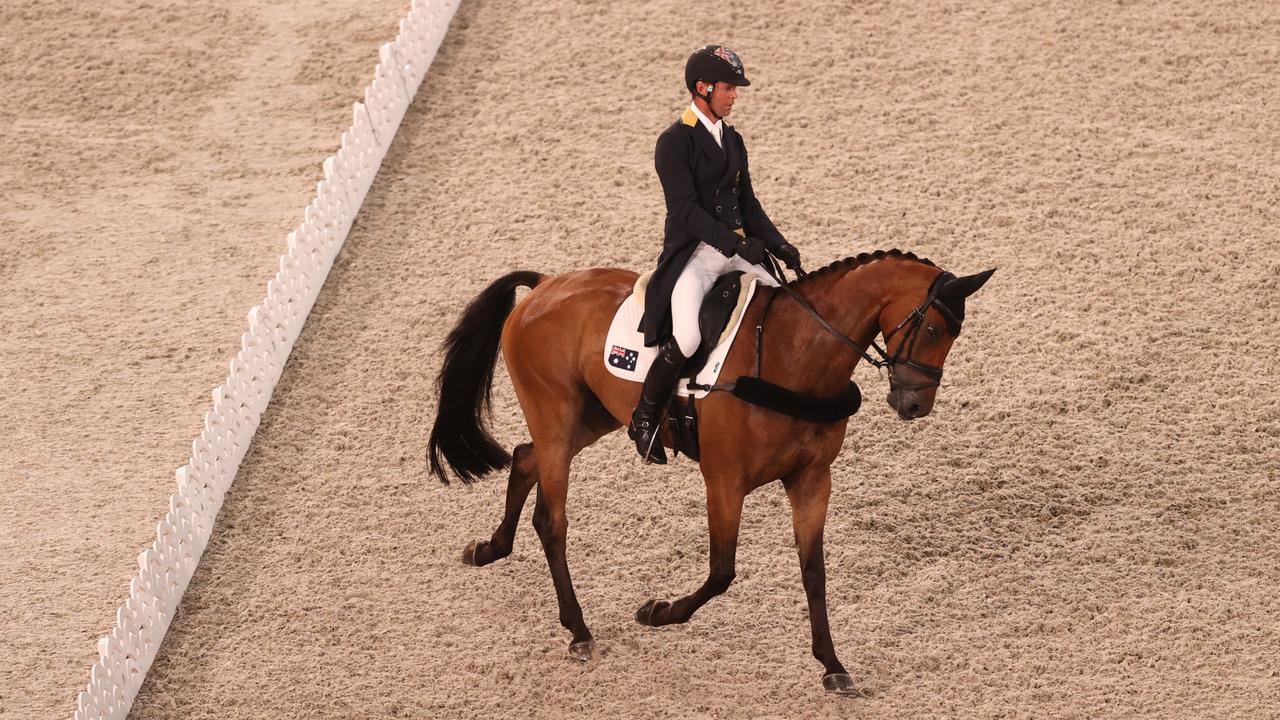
(912, 323)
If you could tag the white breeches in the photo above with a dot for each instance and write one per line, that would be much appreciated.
(695, 281)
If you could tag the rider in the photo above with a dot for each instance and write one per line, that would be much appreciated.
(714, 225)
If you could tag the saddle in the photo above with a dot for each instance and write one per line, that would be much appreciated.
(724, 300)
(718, 321)
(627, 357)
(723, 303)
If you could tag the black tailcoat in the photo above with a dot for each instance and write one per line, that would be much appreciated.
(709, 198)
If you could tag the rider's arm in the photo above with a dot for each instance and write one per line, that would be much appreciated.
(671, 158)
(754, 218)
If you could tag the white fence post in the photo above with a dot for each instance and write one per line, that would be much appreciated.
(165, 568)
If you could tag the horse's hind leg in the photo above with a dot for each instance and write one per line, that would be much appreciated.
(595, 423)
(524, 475)
(560, 431)
(552, 524)
(724, 517)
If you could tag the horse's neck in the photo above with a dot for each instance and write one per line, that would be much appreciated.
(851, 300)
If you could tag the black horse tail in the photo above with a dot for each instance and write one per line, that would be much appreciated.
(465, 384)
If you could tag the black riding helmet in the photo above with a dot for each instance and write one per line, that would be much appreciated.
(712, 64)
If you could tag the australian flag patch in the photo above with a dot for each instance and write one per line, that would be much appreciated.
(622, 358)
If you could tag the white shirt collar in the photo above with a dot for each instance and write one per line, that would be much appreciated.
(716, 129)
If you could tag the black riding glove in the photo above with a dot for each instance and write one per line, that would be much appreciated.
(750, 249)
(787, 253)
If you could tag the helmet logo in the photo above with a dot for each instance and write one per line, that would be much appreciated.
(730, 57)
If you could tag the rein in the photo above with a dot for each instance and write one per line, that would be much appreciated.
(915, 317)
(758, 391)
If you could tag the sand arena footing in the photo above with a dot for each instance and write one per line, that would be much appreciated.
(165, 568)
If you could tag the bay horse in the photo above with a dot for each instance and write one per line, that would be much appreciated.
(817, 331)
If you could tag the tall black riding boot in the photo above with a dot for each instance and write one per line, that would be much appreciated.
(655, 395)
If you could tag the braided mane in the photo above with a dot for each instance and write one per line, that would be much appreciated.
(859, 260)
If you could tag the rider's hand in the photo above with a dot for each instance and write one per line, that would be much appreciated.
(750, 249)
(787, 253)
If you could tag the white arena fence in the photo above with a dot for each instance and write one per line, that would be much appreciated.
(166, 567)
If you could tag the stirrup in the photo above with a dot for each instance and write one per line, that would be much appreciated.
(654, 454)
(659, 382)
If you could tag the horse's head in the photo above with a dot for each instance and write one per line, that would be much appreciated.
(918, 333)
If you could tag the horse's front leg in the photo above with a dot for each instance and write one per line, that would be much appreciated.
(809, 491)
(724, 517)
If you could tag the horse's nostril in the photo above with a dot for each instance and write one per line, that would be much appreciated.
(914, 410)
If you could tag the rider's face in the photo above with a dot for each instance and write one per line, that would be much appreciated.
(723, 97)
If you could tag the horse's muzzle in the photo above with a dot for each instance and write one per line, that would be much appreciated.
(910, 404)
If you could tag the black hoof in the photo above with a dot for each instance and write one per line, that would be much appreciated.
(647, 612)
(469, 553)
(839, 684)
(584, 650)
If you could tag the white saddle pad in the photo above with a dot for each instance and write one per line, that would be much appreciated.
(626, 356)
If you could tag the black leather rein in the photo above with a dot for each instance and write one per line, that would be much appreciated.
(915, 317)
(758, 391)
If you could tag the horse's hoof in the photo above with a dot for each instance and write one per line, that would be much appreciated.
(838, 684)
(584, 650)
(645, 615)
(469, 554)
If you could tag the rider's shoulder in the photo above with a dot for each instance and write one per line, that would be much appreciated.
(677, 131)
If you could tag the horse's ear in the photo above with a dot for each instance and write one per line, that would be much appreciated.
(963, 287)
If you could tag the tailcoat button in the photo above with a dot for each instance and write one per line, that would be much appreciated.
(738, 221)
(718, 208)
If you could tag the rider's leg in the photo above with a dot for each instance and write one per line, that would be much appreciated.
(691, 287)
(659, 383)
(737, 263)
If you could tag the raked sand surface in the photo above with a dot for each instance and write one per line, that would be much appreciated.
(1087, 526)
(155, 155)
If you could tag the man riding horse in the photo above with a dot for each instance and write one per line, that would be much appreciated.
(819, 328)
(714, 225)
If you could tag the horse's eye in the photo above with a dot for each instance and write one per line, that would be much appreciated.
(931, 330)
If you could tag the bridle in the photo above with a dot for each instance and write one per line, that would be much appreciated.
(912, 323)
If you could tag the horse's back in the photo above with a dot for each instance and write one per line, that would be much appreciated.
(570, 309)
(613, 283)
(582, 293)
